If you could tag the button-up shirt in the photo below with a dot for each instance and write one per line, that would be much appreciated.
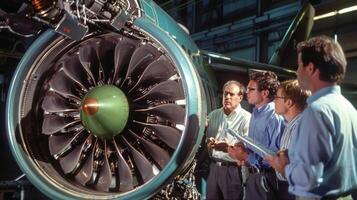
(265, 128)
(289, 131)
(323, 153)
(218, 121)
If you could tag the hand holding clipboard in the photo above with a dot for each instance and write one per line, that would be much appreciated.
(254, 146)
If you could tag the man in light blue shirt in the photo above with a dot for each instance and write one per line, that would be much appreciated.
(322, 161)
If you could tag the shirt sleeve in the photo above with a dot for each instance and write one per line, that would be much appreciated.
(211, 124)
(246, 126)
(273, 131)
(310, 148)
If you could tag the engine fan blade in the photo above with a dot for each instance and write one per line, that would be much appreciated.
(171, 112)
(58, 143)
(169, 135)
(123, 52)
(54, 123)
(157, 71)
(69, 161)
(168, 90)
(105, 176)
(125, 176)
(63, 85)
(88, 59)
(74, 70)
(141, 58)
(85, 173)
(54, 103)
(105, 54)
(141, 162)
(160, 156)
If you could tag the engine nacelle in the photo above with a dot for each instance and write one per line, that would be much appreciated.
(116, 114)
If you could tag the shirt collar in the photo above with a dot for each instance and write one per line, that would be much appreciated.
(264, 108)
(336, 89)
(237, 110)
(297, 117)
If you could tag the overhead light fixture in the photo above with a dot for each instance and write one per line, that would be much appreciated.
(330, 14)
(333, 13)
(346, 10)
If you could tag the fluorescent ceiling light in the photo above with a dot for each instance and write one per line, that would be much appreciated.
(330, 14)
(346, 10)
(333, 13)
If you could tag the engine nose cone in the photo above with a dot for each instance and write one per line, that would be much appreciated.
(90, 106)
(104, 111)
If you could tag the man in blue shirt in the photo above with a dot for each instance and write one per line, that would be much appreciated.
(265, 127)
(322, 161)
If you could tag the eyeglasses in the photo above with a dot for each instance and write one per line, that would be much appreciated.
(230, 94)
(250, 89)
(278, 97)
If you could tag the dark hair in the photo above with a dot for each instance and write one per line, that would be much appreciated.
(326, 55)
(241, 86)
(291, 90)
(266, 80)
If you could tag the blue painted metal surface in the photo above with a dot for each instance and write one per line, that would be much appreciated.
(158, 17)
(13, 120)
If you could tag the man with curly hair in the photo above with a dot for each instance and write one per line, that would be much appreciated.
(265, 127)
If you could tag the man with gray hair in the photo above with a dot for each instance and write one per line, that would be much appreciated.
(225, 177)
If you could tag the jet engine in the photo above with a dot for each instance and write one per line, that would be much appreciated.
(108, 103)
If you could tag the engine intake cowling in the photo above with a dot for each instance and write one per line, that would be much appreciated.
(114, 115)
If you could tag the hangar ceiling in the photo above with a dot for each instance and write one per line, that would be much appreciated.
(253, 29)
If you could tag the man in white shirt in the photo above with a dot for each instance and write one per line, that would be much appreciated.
(225, 177)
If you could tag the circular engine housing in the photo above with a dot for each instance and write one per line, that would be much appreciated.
(64, 159)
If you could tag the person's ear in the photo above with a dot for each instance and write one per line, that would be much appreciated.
(241, 97)
(265, 93)
(289, 102)
(311, 68)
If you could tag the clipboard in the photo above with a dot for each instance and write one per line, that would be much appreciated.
(255, 146)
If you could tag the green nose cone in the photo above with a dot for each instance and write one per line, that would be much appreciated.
(105, 111)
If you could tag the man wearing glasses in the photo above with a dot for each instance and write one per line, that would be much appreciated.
(265, 127)
(225, 179)
(323, 159)
(290, 101)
